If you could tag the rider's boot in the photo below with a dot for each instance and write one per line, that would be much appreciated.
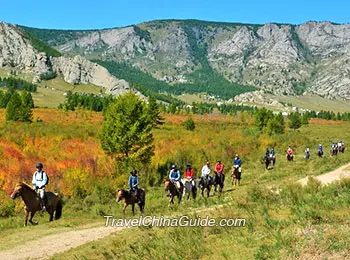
(42, 205)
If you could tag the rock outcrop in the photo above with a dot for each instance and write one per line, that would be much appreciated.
(16, 51)
(79, 70)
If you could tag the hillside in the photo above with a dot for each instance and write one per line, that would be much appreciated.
(197, 56)
(21, 50)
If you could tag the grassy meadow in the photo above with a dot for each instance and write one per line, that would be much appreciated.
(284, 220)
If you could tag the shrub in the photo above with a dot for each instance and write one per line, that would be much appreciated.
(189, 124)
(7, 205)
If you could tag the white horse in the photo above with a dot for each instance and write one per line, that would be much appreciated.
(189, 187)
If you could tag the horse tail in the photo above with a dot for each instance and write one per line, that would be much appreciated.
(59, 207)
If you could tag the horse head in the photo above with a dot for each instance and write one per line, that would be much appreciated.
(166, 185)
(120, 195)
(17, 192)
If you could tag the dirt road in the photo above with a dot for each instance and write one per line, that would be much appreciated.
(342, 172)
(57, 243)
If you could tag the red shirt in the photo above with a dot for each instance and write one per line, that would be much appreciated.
(219, 168)
(189, 173)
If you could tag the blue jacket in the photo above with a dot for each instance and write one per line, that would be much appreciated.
(273, 152)
(133, 182)
(237, 161)
(39, 179)
(174, 175)
(320, 148)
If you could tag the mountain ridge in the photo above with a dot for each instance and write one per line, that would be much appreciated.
(282, 59)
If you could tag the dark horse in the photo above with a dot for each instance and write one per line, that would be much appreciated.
(219, 179)
(320, 153)
(170, 187)
(236, 176)
(290, 157)
(205, 183)
(267, 160)
(131, 199)
(53, 202)
(334, 151)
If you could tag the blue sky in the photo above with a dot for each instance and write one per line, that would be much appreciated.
(78, 14)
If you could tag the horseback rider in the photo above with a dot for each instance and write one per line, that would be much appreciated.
(206, 171)
(219, 167)
(175, 176)
(237, 163)
(133, 185)
(320, 148)
(289, 151)
(267, 153)
(39, 182)
(307, 153)
(189, 174)
(273, 153)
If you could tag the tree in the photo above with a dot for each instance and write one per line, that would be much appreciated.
(153, 111)
(275, 125)
(126, 130)
(27, 99)
(305, 119)
(14, 107)
(261, 117)
(189, 124)
(295, 120)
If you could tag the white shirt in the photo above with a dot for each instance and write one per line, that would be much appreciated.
(205, 171)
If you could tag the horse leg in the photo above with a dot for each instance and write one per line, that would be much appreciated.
(26, 217)
(32, 213)
(51, 216)
(125, 205)
(133, 209)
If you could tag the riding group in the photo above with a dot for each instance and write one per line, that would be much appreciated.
(175, 186)
(270, 155)
(37, 199)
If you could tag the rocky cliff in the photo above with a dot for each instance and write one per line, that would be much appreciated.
(17, 51)
(277, 58)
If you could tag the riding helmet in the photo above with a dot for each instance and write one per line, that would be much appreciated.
(39, 165)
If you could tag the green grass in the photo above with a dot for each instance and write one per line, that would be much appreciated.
(290, 224)
(297, 222)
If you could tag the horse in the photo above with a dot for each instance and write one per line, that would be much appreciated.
(320, 153)
(205, 183)
(307, 155)
(53, 202)
(236, 176)
(334, 151)
(219, 179)
(189, 188)
(290, 157)
(170, 187)
(267, 160)
(131, 199)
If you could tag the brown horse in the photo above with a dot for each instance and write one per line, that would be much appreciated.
(173, 191)
(53, 202)
(236, 176)
(131, 199)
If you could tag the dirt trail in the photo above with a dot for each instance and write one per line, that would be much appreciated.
(47, 246)
(332, 176)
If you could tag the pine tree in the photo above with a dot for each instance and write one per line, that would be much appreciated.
(153, 112)
(295, 120)
(14, 107)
